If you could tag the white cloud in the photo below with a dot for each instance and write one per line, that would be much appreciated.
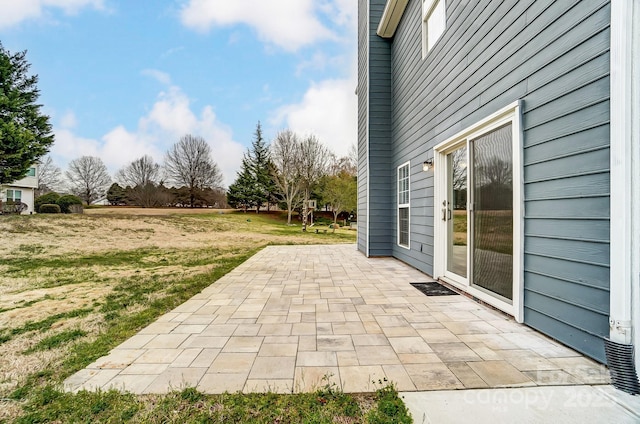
(17, 11)
(319, 61)
(288, 24)
(161, 77)
(341, 12)
(69, 146)
(170, 118)
(69, 120)
(328, 110)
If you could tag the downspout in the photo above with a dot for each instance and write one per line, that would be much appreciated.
(635, 189)
(620, 168)
(624, 236)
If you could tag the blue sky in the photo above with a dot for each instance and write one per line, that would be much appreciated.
(125, 78)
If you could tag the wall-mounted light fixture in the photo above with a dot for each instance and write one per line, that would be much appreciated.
(427, 165)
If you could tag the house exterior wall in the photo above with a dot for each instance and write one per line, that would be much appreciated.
(554, 57)
(28, 186)
(375, 191)
(362, 91)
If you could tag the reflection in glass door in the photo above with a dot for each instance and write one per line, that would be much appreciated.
(492, 212)
(454, 211)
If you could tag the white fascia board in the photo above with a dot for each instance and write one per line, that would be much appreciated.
(393, 11)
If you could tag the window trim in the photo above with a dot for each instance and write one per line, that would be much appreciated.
(428, 7)
(13, 194)
(403, 205)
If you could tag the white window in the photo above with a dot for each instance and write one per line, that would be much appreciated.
(31, 172)
(14, 195)
(403, 205)
(434, 22)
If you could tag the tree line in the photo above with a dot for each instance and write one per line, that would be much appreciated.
(292, 171)
(289, 172)
(188, 177)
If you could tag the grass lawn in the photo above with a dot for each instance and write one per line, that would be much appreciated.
(496, 230)
(74, 286)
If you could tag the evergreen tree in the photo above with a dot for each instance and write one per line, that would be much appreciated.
(25, 133)
(116, 195)
(254, 185)
(260, 163)
(242, 193)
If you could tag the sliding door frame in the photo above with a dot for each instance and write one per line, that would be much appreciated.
(506, 115)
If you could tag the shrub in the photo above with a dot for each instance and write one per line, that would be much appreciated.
(49, 208)
(65, 202)
(45, 199)
(11, 207)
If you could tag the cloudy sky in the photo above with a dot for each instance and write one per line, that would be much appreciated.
(124, 78)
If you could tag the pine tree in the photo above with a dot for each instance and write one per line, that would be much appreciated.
(242, 193)
(260, 163)
(254, 185)
(25, 132)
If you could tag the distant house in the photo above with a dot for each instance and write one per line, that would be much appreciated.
(22, 190)
(498, 152)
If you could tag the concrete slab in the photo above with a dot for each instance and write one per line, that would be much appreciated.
(566, 405)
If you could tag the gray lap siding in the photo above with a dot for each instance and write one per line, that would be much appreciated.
(554, 56)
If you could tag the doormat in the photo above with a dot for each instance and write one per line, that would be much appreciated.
(434, 289)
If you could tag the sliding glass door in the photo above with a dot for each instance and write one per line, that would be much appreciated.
(491, 211)
(478, 216)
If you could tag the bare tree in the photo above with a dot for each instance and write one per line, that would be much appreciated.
(459, 169)
(342, 164)
(353, 157)
(189, 163)
(140, 172)
(285, 157)
(88, 178)
(142, 177)
(494, 171)
(314, 162)
(49, 176)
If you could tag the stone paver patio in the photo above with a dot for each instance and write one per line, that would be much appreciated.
(294, 318)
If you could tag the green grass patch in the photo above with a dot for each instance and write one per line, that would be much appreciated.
(389, 408)
(26, 304)
(56, 340)
(42, 325)
(26, 264)
(48, 404)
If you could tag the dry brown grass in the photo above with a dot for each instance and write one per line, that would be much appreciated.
(56, 264)
(154, 211)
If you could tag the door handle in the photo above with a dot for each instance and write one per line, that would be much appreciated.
(444, 214)
(449, 214)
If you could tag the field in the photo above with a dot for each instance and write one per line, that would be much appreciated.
(496, 230)
(74, 286)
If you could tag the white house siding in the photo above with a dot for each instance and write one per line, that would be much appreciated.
(28, 186)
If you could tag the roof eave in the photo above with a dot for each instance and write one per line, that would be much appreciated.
(393, 11)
